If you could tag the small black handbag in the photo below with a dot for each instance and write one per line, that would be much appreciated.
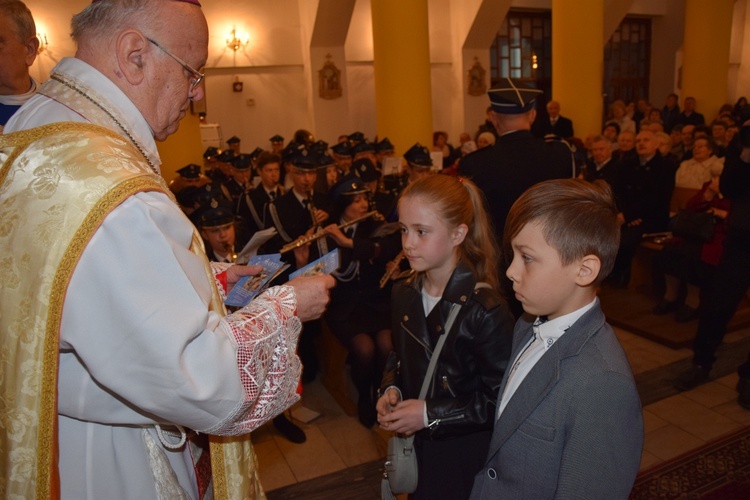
(695, 226)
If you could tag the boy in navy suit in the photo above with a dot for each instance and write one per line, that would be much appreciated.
(569, 421)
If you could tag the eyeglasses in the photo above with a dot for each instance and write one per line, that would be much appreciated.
(196, 77)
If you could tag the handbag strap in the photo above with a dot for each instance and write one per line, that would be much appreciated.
(455, 308)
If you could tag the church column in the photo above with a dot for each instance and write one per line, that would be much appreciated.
(403, 95)
(705, 64)
(578, 62)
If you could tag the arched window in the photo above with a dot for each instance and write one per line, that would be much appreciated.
(523, 48)
(627, 61)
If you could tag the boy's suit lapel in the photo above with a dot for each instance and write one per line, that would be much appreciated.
(533, 389)
(543, 377)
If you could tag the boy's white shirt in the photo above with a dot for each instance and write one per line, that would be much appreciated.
(548, 332)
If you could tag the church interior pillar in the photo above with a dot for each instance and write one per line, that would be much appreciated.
(402, 72)
(705, 64)
(578, 62)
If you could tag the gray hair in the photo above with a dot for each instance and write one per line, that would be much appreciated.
(599, 138)
(21, 17)
(488, 136)
(105, 17)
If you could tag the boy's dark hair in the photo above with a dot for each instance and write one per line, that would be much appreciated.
(265, 158)
(578, 218)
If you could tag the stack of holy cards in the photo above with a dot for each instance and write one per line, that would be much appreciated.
(249, 287)
(324, 265)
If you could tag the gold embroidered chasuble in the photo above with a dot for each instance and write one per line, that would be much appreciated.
(57, 184)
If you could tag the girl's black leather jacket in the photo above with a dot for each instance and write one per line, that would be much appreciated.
(464, 391)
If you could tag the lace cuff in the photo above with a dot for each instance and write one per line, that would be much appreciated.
(266, 332)
(220, 275)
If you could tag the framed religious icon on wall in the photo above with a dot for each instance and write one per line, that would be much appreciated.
(476, 84)
(329, 80)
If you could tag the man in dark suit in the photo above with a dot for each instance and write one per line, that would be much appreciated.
(296, 213)
(254, 206)
(601, 165)
(689, 116)
(518, 160)
(556, 124)
(299, 210)
(293, 215)
(643, 189)
(670, 113)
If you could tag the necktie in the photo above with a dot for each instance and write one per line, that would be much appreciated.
(272, 195)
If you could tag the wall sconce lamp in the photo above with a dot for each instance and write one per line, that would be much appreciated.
(43, 43)
(236, 43)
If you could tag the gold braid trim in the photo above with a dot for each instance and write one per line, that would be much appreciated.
(218, 468)
(48, 414)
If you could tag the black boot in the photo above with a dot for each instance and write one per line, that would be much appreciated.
(743, 389)
(289, 430)
(366, 408)
(697, 375)
(743, 384)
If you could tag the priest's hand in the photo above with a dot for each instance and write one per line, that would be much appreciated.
(312, 295)
(235, 272)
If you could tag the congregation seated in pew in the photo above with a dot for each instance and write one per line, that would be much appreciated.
(687, 261)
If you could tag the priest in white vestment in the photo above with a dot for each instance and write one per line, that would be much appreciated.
(146, 356)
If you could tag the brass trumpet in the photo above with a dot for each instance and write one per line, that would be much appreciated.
(394, 267)
(304, 240)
